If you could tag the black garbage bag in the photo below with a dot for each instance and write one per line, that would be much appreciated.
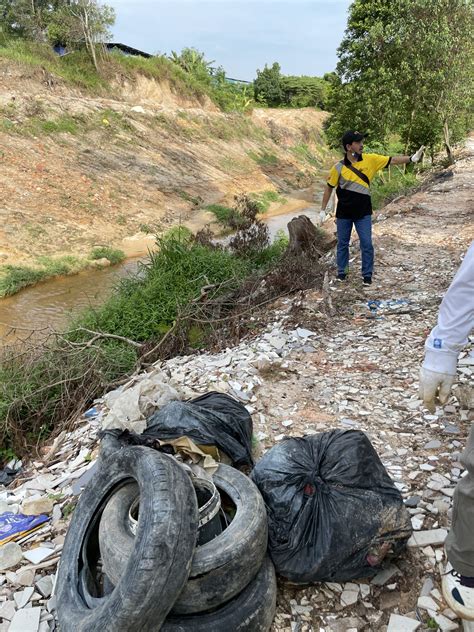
(333, 511)
(211, 419)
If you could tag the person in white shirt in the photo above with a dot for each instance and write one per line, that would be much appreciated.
(437, 375)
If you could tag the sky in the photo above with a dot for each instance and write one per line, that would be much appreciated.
(243, 35)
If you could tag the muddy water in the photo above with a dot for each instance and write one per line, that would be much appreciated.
(50, 305)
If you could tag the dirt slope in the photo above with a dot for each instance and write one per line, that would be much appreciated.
(80, 171)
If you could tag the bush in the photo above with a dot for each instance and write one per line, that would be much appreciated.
(145, 307)
(105, 252)
(383, 190)
(226, 215)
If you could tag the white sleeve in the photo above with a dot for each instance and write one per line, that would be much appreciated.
(455, 320)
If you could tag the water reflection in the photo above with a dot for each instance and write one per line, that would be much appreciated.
(51, 305)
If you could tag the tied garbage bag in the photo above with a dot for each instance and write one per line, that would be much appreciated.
(333, 511)
(211, 419)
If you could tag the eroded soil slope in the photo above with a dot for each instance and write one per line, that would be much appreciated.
(80, 171)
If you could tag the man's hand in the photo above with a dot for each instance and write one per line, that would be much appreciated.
(435, 388)
(418, 154)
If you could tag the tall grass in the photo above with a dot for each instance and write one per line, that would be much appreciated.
(41, 389)
(387, 187)
(16, 278)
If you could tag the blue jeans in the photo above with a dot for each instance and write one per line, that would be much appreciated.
(363, 227)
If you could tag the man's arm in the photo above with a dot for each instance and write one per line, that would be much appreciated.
(326, 195)
(404, 160)
(400, 160)
(455, 321)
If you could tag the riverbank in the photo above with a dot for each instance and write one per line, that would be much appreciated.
(323, 360)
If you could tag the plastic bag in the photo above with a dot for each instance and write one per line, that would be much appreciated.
(15, 526)
(211, 419)
(333, 511)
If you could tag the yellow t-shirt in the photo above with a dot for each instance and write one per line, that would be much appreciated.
(353, 193)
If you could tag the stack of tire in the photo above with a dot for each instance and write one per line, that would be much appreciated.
(111, 580)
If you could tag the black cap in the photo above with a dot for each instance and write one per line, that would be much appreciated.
(351, 137)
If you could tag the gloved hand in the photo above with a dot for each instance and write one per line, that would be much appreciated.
(418, 154)
(435, 387)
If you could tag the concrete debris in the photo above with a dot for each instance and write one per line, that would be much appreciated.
(434, 537)
(304, 373)
(10, 555)
(398, 623)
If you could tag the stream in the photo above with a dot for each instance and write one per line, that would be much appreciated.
(50, 305)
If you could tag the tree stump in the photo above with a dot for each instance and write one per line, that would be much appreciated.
(305, 237)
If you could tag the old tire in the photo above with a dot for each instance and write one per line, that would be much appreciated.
(158, 568)
(251, 611)
(220, 568)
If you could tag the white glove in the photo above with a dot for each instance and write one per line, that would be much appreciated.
(435, 387)
(418, 154)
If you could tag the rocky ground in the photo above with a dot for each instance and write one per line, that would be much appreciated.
(330, 359)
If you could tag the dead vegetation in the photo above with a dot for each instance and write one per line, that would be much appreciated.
(46, 385)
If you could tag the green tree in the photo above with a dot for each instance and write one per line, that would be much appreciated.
(194, 63)
(26, 18)
(71, 22)
(405, 66)
(267, 86)
(301, 92)
(82, 22)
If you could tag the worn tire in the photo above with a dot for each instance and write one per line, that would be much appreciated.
(251, 611)
(220, 568)
(158, 568)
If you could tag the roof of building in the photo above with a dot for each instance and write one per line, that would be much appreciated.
(129, 50)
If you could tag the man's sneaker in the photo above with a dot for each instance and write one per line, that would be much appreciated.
(367, 280)
(341, 277)
(458, 592)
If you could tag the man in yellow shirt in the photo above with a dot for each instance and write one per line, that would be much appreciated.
(352, 177)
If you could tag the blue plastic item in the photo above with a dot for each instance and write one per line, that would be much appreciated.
(18, 525)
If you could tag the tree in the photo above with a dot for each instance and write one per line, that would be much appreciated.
(27, 18)
(267, 86)
(301, 92)
(70, 22)
(81, 22)
(405, 66)
(193, 62)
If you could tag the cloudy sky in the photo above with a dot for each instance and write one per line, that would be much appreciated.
(240, 35)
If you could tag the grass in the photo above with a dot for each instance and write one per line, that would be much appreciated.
(265, 198)
(105, 252)
(263, 158)
(77, 69)
(43, 389)
(304, 153)
(225, 215)
(383, 190)
(145, 308)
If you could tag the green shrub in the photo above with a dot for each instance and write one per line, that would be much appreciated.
(43, 389)
(105, 252)
(226, 215)
(143, 306)
(270, 255)
(384, 189)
